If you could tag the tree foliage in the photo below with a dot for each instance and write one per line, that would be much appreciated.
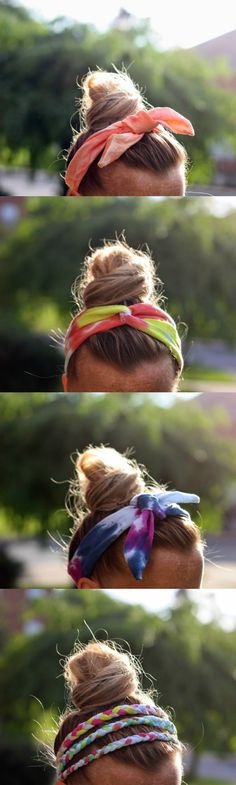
(39, 85)
(193, 251)
(179, 446)
(192, 665)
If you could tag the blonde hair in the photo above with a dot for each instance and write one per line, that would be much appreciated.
(112, 96)
(99, 676)
(116, 271)
(106, 481)
(108, 97)
(117, 274)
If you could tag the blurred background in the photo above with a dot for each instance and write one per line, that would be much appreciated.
(186, 441)
(43, 243)
(195, 631)
(185, 59)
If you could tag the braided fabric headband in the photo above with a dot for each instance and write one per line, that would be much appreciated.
(144, 317)
(116, 138)
(147, 715)
(125, 709)
(138, 518)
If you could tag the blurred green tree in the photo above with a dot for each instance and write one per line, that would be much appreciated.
(179, 446)
(192, 665)
(193, 250)
(57, 54)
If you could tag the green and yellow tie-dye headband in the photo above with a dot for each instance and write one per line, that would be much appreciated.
(145, 317)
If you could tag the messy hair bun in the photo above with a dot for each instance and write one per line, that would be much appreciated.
(108, 97)
(106, 479)
(100, 674)
(114, 274)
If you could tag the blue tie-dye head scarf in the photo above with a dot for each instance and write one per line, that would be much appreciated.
(138, 517)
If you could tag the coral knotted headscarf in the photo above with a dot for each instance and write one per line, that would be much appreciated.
(115, 139)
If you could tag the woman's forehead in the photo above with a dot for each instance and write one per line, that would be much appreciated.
(110, 771)
(96, 375)
(121, 179)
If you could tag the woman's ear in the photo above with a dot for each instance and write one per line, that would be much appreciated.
(87, 583)
(65, 388)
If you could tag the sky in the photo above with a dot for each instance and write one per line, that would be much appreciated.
(221, 205)
(218, 205)
(179, 23)
(217, 603)
(161, 399)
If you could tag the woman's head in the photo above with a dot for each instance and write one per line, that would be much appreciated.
(155, 164)
(123, 358)
(101, 678)
(120, 542)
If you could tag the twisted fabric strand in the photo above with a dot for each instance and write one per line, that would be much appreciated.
(122, 710)
(114, 745)
(147, 715)
(112, 728)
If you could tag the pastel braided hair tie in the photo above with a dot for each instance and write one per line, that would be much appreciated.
(138, 519)
(136, 714)
(145, 317)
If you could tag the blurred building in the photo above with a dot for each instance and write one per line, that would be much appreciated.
(12, 209)
(212, 353)
(227, 403)
(229, 518)
(125, 21)
(14, 603)
(18, 180)
(223, 48)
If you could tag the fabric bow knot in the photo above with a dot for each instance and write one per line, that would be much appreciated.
(138, 518)
(116, 138)
(139, 540)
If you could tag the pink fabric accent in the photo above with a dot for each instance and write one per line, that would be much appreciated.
(116, 145)
(118, 137)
